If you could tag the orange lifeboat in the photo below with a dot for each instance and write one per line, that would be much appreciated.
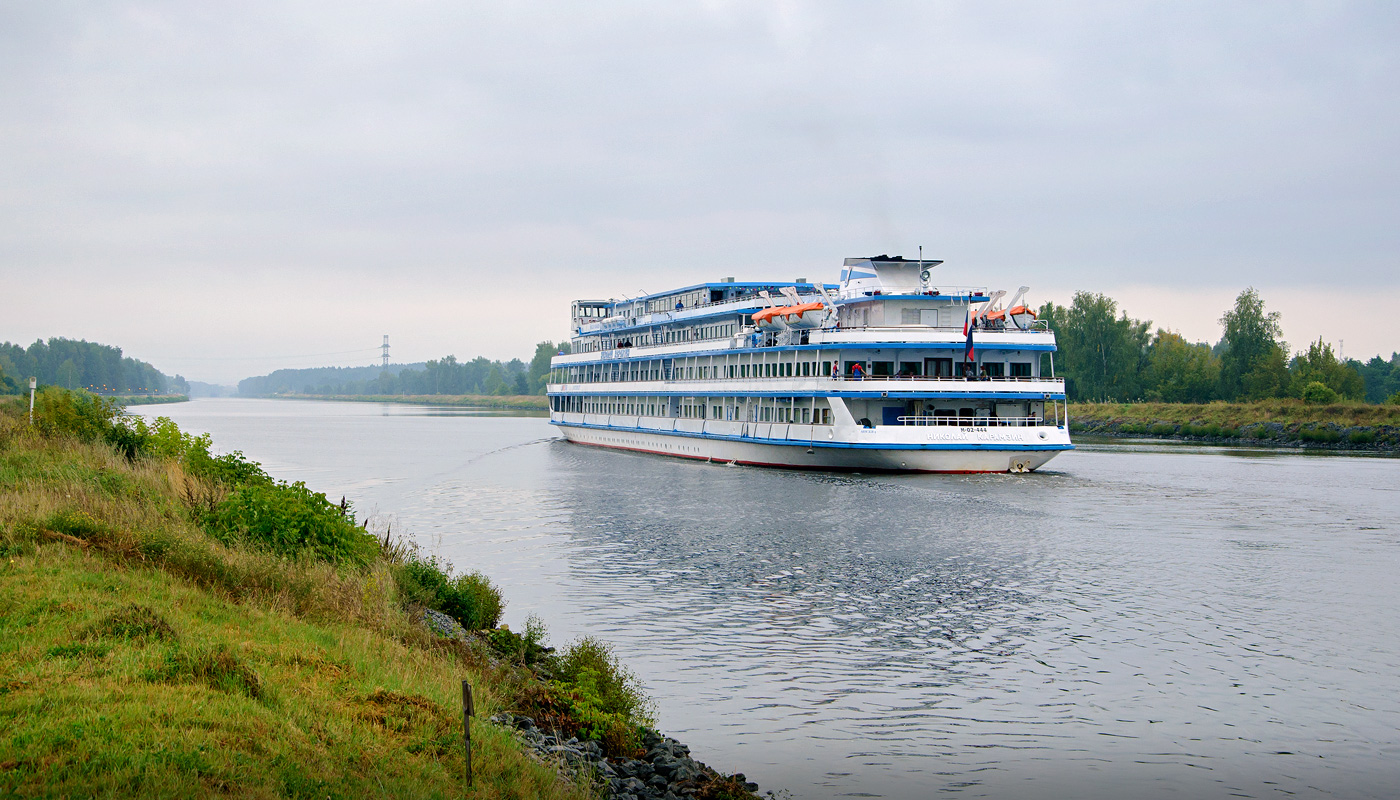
(805, 315)
(1021, 316)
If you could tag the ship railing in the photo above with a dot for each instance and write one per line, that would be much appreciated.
(980, 422)
(951, 378)
(847, 378)
(1035, 326)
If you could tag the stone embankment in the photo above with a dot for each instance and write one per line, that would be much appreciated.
(665, 772)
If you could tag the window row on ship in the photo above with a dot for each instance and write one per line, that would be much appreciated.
(797, 410)
(654, 337)
(789, 364)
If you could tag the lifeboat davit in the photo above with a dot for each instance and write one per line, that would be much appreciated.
(806, 315)
(1021, 316)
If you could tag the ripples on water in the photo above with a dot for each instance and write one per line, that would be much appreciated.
(1134, 621)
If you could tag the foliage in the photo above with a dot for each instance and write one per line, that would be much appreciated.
(471, 599)
(1381, 377)
(1106, 355)
(539, 365)
(603, 696)
(86, 416)
(1103, 353)
(444, 376)
(1318, 393)
(73, 364)
(291, 520)
(1318, 364)
(527, 649)
(1251, 364)
(1179, 372)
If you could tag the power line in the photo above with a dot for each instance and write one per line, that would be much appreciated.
(265, 358)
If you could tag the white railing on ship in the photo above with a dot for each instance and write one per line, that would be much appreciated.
(969, 378)
(980, 422)
(911, 378)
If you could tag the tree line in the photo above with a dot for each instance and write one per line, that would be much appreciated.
(446, 376)
(80, 364)
(1104, 355)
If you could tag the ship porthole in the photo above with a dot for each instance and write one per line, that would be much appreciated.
(1042, 434)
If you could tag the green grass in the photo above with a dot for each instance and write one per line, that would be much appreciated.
(174, 624)
(1288, 412)
(141, 656)
(226, 697)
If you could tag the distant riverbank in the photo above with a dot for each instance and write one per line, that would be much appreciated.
(150, 399)
(518, 402)
(1289, 422)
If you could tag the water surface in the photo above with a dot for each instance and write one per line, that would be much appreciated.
(1134, 620)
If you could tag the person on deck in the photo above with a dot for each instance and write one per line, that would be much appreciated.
(857, 371)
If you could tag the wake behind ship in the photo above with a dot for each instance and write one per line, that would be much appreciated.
(883, 371)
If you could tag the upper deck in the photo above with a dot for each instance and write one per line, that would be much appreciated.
(880, 301)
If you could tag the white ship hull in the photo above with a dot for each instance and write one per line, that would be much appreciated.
(924, 449)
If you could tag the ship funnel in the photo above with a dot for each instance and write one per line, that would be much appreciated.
(886, 274)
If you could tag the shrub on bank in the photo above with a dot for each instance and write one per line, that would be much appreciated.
(85, 416)
(1319, 434)
(471, 599)
(291, 520)
(1318, 393)
(604, 697)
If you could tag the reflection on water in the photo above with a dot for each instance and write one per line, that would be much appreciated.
(1135, 621)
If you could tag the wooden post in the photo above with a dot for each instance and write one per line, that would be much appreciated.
(467, 726)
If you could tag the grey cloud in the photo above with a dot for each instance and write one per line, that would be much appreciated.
(1089, 143)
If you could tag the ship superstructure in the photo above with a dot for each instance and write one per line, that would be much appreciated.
(881, 371)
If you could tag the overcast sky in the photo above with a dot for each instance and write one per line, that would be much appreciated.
(225, 189)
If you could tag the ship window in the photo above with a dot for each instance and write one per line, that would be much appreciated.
(1020, 369)
(885, 368)
(994, 369)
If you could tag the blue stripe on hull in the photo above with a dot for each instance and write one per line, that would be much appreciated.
(870, 395)
(815, 443)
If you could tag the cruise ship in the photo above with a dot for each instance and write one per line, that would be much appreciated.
(882, 371)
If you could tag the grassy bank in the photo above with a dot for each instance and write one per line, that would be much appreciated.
(1283, 421)
(520, 402)
(178, 624)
